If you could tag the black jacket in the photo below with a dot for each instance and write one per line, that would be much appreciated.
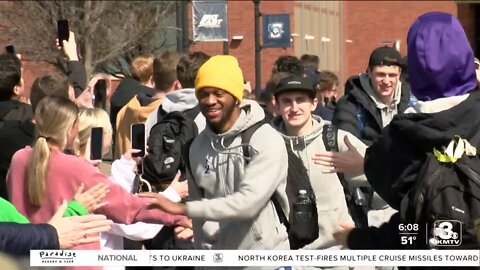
(356, 112)
(18, 239)
(392, 163)
(14, 135)
(15, 110)
(77, 76)
(125, 91)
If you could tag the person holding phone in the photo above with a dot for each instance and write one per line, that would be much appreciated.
(122, 173)
(141, 105)
(76, 72)
(42, 176)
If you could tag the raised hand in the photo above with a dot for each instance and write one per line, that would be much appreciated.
(77, 230)
(350, 161)
(181, 187)
(92, 198)
(69, 47)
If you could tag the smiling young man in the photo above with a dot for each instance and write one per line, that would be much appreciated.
(303, 134)
(230, 191)
(376, 97)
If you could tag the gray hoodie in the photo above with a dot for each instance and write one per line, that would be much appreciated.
(176, 101)
(331, 204)
(222, 189)
(388, 111)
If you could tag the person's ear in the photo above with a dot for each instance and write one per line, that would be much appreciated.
(177, 85)
(314, 104)
(17, 90)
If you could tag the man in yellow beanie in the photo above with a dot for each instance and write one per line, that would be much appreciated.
(231, 183)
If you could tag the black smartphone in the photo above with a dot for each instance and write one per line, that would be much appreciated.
(96, 143)
(137, 135)
(62, 31)
(11, 49)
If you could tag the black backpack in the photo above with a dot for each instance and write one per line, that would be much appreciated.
(167, 143)
(358, 201)
(445, 202)
(301, 232)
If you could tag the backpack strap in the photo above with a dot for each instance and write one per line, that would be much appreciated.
(475, 140)
(161, 113)
(193, 112)
(246, 135)
(330, 135)
(357, 212)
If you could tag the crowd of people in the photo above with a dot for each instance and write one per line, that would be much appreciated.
(234, 183)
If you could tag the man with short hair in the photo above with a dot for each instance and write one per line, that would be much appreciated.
(141, 70)
(184, 98)
(11, 90)
(303, 133)
(376, 97)
(230, 191)
(326, 94)
(142, 104)
(311, 62)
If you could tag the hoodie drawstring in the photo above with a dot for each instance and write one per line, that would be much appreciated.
(228, 150)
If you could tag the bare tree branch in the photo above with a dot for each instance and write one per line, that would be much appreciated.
(105, 30)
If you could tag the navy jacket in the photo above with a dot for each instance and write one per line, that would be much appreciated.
(18, 239)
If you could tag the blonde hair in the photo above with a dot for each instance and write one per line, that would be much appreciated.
(88, 119)
(141, 68)
(54, 118)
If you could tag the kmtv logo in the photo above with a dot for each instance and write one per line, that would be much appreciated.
(210, 21)
(447, 233)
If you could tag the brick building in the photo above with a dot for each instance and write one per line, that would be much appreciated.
(341, 33)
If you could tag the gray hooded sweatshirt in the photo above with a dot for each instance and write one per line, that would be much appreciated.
(176, 101)
(331, 204)
(231, 205)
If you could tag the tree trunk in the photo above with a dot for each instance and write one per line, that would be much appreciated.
(87, 45)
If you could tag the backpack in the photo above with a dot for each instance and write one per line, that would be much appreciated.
(445, 200)
(359, 200)
(167, 143)
(300, 232)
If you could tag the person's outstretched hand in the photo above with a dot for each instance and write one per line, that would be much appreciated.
(77, 230)
(92, 198)
(350, 162)
(341, 235)
(164, 204)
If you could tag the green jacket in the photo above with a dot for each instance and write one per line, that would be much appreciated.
(10, 214)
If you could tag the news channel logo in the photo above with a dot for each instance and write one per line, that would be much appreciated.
(446, 233)
(217, 257)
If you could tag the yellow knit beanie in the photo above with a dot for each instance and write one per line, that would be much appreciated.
(221, 71)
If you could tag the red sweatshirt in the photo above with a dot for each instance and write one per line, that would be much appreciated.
(65, 174)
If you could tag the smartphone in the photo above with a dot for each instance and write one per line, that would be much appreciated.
(11, 49)
(62, 31)
(137, 136)
(96, 143)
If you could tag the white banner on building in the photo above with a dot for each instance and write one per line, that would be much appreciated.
(274, 258)
(210, 20)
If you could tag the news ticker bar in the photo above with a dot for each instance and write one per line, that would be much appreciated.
(274, 258)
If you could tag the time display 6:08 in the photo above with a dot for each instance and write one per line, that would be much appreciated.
(409, 227)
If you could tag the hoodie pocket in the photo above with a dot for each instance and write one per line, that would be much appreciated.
(327, 221)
